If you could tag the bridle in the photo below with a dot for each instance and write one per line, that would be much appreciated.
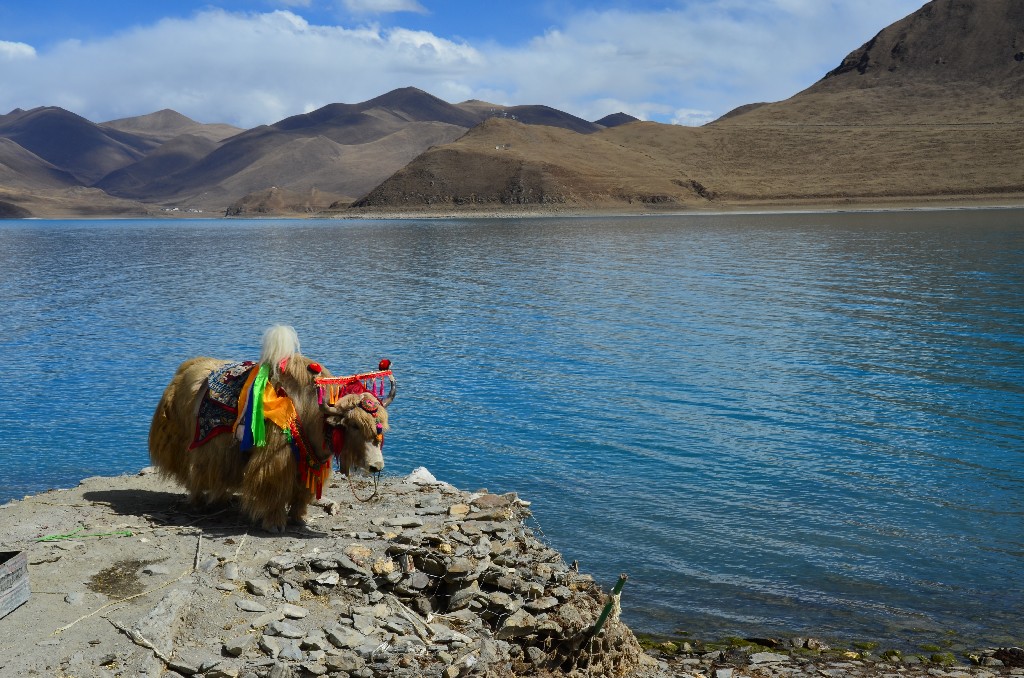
(336, 440)
(376, 481)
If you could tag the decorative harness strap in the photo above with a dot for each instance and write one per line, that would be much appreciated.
(312, 470)
(278, 407)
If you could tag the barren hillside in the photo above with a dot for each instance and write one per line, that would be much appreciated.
(929, 109)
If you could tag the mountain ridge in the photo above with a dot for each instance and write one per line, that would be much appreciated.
(930, 108)
(907, 128)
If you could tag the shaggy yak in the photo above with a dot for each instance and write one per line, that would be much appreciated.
(208, 433)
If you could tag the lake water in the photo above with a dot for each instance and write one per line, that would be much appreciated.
(804, 424)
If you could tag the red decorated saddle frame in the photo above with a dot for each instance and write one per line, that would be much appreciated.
(331, 389)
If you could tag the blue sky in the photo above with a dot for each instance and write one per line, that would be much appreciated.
(250, 62)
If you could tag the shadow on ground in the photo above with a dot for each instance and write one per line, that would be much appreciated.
(172, 509)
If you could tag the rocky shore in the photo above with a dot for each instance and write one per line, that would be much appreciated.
(419, 579)
(807, 657)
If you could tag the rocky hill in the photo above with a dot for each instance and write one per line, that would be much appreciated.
(951, 62)
(978, 42)
(503, 162)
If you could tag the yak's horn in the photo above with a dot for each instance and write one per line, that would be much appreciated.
(391, 394)
(329, 409)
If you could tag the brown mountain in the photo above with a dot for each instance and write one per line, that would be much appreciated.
(72, 143)
(175, 155)
(930, 108)
(340, 152)
(529, 115)
(340, 161)
(504, 162)
(23, 169)
(616, 119)
(951, 62)
(47, 152)
(167, 124)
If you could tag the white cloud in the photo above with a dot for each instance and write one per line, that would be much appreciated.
(16, 51)
(691, 117)
(241, 69)
(686, 64)
(419, 50)
(383, 6)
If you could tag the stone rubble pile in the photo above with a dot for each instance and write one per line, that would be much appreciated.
(450, 584)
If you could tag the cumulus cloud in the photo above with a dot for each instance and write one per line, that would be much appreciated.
(241, 69)
(383, 6)
(15, 51)
(687, 64)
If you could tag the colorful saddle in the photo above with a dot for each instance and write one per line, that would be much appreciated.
(218, 409)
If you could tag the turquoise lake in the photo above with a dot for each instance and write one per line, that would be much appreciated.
(788, 424)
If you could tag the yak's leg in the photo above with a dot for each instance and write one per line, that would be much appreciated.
(301, 498)
(267, 483)
(196, 500)
(218, 498)
(214, 472)
(208, 500)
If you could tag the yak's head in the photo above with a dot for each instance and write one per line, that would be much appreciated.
(356, 424)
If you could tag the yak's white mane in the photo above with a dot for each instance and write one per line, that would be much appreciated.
(279, 342)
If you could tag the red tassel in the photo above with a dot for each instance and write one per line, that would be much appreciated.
(337, 440)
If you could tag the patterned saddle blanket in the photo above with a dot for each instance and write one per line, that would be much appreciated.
(218, 409)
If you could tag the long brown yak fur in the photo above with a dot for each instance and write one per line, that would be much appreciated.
(266, 477)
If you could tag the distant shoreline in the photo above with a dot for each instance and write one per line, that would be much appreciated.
(760, 207)
(740, 210)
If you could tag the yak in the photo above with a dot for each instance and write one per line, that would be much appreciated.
(276, 448)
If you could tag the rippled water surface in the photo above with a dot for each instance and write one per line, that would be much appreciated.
(803, 424)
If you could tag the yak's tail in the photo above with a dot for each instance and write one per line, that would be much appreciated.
(280, 343)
